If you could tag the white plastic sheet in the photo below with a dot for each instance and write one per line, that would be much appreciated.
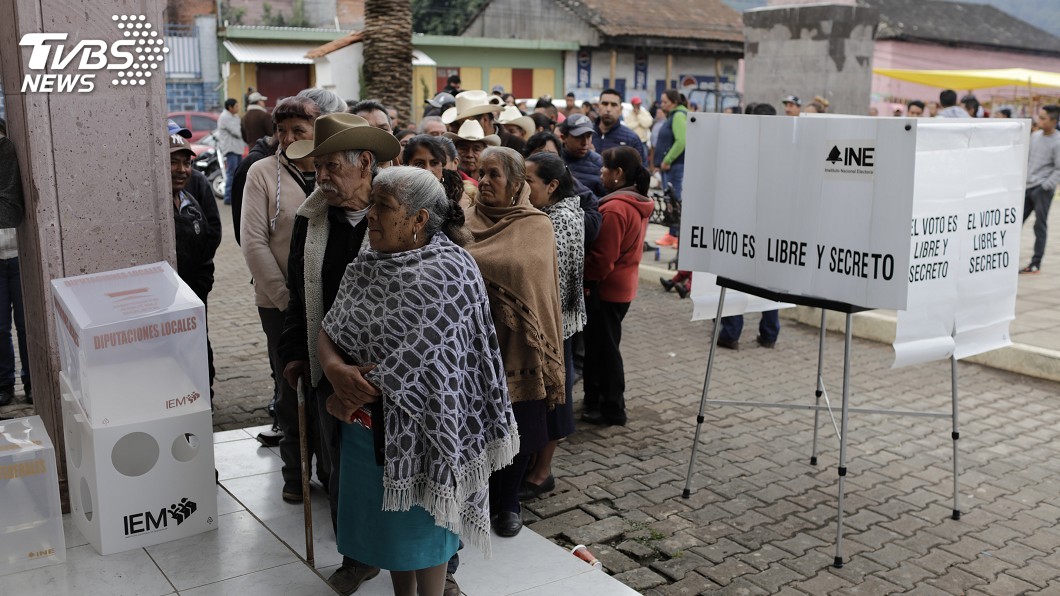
(706, 293)
(964, 242)
(816, 207)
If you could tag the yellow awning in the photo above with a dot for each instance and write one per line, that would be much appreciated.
(974, 79)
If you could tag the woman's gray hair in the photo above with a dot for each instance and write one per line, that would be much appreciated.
(450, 148)
(512, 164)
(416, 189)
(328, 102)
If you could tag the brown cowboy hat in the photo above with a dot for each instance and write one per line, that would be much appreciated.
(471, 103)
(345, 132)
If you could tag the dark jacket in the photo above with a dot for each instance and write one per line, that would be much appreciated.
(257, 124)
(590, 205)
(196, 243)
(11, 201)
(262, 149)
(586, 170)
(620, 136)
(344, 242)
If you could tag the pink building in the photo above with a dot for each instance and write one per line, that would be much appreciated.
(935, 35)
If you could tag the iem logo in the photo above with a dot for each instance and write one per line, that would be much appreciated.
(133, 58)
(141, 523)
(852, 156)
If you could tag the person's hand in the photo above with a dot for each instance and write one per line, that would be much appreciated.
(340, 407)
(665, 167)
(297, 369)
(350, 384)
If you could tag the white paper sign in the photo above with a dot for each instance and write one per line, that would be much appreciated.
(816, 207)
(964, 242)
(706, 293)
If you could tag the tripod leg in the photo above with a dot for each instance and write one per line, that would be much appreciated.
(955, 435)
(843, 446)
(703, 399)
(820, 389)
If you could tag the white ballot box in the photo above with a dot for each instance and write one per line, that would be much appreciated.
(31, 516)
(132, 343)
(137, 484)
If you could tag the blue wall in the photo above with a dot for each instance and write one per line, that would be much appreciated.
(191, 96)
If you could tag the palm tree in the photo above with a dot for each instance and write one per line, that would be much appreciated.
(388, 54)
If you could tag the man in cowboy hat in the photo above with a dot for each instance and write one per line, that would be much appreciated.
(470, 142)
(328, 231)
(519, 127)
(477, 105)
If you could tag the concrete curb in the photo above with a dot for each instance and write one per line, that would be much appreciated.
(879, 326)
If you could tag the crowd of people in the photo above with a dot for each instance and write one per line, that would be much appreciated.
(438, 292)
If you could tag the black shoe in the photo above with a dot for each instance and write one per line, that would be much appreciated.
(530, 490)
(765, 344)
(27, 389)
(348, 578)
(682, 290)
(667, 284)
(271, 437)
(729, 344)
(598, 417)
(507, 524)
(7, 395)
(292, 492)
(451, 587)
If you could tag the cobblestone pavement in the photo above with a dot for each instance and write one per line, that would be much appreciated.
(760, 519)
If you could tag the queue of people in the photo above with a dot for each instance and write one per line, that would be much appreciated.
(437, 297)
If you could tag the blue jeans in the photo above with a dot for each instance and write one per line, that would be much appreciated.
(231, 163)
(675, 176)
(768, 327)
(11, 303)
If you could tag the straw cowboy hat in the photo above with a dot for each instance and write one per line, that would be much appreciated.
(512, 115)
(471, 130)
(345, 132)
(468, 104)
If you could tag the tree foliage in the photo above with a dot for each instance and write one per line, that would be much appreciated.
(443, 17)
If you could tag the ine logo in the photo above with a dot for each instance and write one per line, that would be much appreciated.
(851, 160)
(142, 523)
(129, 61)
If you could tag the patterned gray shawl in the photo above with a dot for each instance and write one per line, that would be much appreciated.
(568, 222)
(423, 317)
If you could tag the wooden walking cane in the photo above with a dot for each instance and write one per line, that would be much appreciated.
(307, 504)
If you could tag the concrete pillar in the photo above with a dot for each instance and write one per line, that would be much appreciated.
(819, 49)
(95, 169)
(208, 61)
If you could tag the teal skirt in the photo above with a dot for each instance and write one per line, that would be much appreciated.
(392, 540)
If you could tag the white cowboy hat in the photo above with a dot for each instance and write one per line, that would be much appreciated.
(471, 130)
(512, 115)
(470, 103)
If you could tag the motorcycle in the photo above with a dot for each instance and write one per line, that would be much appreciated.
(207, 162)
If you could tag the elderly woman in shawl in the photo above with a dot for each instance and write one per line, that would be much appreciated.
(414, 314)
(515, 248)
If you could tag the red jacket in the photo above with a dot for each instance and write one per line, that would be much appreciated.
(614, 258)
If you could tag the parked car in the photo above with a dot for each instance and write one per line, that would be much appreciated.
(199, 123)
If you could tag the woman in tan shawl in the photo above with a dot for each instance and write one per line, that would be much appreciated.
(515, 248)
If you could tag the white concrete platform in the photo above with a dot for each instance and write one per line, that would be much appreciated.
(259, 549)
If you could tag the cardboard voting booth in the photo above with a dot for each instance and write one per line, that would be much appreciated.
(854, 213)
(138, 484)
(31, 518)
(132, 343)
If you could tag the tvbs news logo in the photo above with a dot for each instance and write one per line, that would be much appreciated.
(127, 62)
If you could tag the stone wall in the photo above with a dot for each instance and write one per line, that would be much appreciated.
(823, 49)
